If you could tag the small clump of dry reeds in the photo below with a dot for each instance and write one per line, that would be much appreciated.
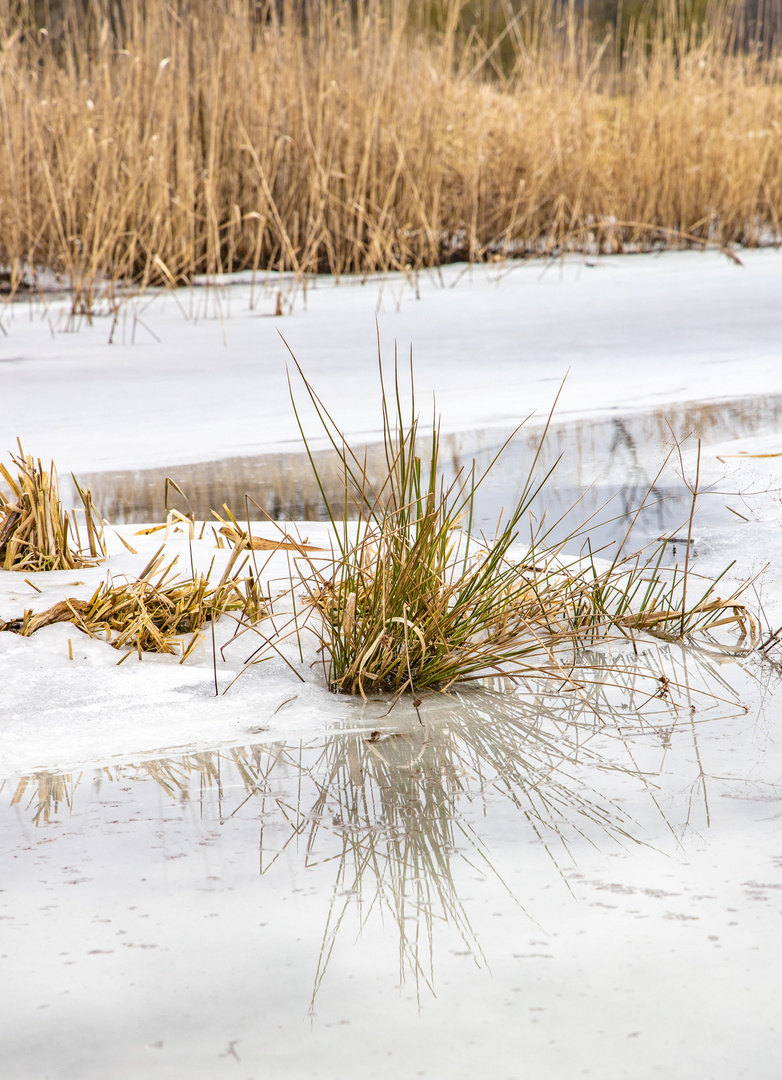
(154, 612)
(35, 532)
(413, 600)
(139, 145)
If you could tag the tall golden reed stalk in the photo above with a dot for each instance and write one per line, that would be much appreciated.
(150, 142)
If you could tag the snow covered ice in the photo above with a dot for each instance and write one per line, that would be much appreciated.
(204, 375)
(634, 948)
(492, 345)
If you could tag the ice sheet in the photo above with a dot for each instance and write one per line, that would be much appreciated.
(203, 374)
(194, 376)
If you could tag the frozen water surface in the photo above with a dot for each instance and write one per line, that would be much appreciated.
(281, 883)
(504, 890)
(201, 375)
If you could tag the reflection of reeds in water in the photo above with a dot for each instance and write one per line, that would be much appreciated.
(285, 488)
(47, 792)
(395, 800)
(654, 697)
(393, 810)
(282, 486)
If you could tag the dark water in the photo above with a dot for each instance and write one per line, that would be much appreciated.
(597, 472)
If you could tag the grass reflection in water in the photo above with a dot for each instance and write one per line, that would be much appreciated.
(391, 806)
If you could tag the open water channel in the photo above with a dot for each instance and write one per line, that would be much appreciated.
(597, 471)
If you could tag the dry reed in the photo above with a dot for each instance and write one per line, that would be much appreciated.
(166, 141)
(234, 534)
(35, 532)
(154, 612)
(154, 615)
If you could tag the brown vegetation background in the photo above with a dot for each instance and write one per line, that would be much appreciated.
(152, 141)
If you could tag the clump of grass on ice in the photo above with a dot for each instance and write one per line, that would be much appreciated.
(35, 532)
(151, 614)
(155, 611)
(413, 600)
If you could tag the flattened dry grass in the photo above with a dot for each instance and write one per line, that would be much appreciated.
(154, 612)
(140, 145)
(151, 616)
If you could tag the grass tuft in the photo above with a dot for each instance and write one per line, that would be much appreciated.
(412, 600)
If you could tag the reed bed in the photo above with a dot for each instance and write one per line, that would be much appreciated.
(148, 143)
